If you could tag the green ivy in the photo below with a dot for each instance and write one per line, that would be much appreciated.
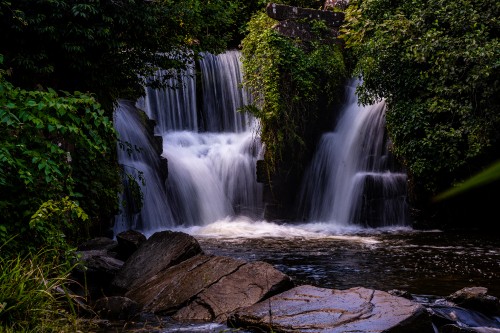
(294, 84)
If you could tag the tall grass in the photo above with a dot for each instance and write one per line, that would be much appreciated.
(31, 297)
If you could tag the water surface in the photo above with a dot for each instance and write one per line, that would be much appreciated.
(425, 263)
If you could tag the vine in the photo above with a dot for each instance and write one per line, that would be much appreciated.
(294, 84)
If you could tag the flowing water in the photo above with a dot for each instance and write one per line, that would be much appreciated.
(353, 198)
(210, 147)
(430, 262)
(353, 178)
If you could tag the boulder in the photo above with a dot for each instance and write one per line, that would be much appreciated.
(99, 262)
(161, 251)
(95, 272)
(312, 309)
(169, 290)
(476, 298)
(99, 243)
(116, 308)
(128, 242)
(246, 286)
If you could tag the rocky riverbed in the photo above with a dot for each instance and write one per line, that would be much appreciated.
(167, 282)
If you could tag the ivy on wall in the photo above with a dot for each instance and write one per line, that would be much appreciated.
(294, 85)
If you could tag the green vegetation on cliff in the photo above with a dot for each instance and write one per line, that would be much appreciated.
(295, 85)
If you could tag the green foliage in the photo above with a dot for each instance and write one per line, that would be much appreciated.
(437, 65)
(41, 133)
(293, 83)
(107, 47)
(54, 220)
(32, 298)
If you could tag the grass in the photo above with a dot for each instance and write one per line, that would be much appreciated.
(30, 296)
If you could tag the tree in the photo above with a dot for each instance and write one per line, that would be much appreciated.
(108, 47)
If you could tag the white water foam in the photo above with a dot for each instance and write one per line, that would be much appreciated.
(241, 227)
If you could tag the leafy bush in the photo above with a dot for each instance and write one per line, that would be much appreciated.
(41, 133)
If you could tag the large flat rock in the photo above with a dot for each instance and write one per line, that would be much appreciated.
(311, 309)
(162, 250)
(171, 289)
(246, 286)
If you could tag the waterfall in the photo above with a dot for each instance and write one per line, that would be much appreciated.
(210, 147)
(221, 96)
(140, 163)
(353, 178)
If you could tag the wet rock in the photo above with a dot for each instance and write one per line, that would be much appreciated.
(448, 316)
(161, 251)
(246, 286)
(476, 298)
(94, 273)
(171, 289)
(116, 308)
(99, 243)
(128, 242)
(311, 309)
(99, 262)
(458, 329)
(401, 293)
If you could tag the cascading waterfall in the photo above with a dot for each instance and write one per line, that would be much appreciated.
(352, 178)
(141, 164)
(211, 164)
(212, 151)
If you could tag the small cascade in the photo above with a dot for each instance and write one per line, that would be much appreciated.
(222, 75)
(210, 147)
(179, 98)
(140, 163)
(353, 179)
(212, 176)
